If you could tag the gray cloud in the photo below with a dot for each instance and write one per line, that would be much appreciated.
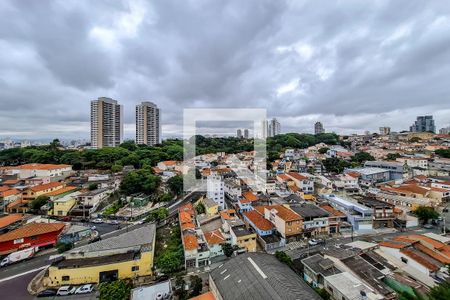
(353, 65)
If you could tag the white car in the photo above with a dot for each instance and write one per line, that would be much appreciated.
(85, 289)
(114, 222)
(313, 242)
(66, 290)
(97, 221)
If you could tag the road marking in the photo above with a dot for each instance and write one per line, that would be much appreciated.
(24, 273)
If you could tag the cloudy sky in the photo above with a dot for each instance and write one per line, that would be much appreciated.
(354, 65)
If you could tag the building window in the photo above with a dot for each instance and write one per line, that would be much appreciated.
(134, 268)
(65, 278)
(18, 241)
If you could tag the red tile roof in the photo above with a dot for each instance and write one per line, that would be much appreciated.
(286, 214)
(31, 229)
(249, 196)
(421, 260)
(297, 176)
(42, 167)
(9, 219)
(61, 191)
(214, 237)
(258, 220)
(9, 193)
(43, 187)
(190, 241)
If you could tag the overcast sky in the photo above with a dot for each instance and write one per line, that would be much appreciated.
(354, 65)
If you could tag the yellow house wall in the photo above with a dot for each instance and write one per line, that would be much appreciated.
(91, 274)
(65, 207)
(250, 245)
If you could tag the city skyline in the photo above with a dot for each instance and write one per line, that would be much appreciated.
(385, 74)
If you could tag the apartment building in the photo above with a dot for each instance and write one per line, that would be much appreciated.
(287, 222)
(106, 123)
(148, 126)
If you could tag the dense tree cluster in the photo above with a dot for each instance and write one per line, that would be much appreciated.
(443, 153)
(142, 156)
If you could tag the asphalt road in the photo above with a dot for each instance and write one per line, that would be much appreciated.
(16, 289)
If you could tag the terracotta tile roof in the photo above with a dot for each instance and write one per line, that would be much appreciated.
(214, 237)
(206, 172)
(9, 219)
(258, 220)
(157, 170)
(354, 174)
(297, 176)
(4, 188)
(417, 237)
(189, 208)
(283, 212)
(61, 191)
(293, 188)
(43, 187)
(185, 217)
(249, 196)
(185, 226)
(11, 181)
(393, 244)
(421, 260)
(31, 229)
(442, 258)
(260, 209)
(205, 296)
(14, 203)
(332, 211)
(283, 177)
(226, 214)
(190, 241)
(9, 193)
(42, 167)
(169, 162)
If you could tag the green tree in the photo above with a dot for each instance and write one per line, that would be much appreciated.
(196, 285)
(176, 184)
(227, 249)
(361, 157)
(200, 208)
(335, 165)
(116, 290)
(283, 257)
(415, 139)
(323, 150)
(116, 168)
(440, 292)
(393, 156)
(443, 153)
(93, 186)
(140, 181)
(425, 213)
(38, 202)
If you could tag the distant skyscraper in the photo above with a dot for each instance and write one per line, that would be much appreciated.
(239, 133)
(106, 123)
(148, 126)
(445, 130)
(274, 127)
(318, 128)
(264, 129)
(385, 130)
(423, 124)
(246, 135)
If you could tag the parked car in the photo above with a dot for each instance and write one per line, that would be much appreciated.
(428, 226)
(114, 222)
(85, 289)
(313, 242)
(97, 221)
(66, 290)
(47, 293)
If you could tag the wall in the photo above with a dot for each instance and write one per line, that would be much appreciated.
(90, 274)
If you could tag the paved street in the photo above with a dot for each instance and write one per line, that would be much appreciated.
(16, 289)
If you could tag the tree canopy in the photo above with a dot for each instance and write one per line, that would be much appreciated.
(140, 181)
(426, 213)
